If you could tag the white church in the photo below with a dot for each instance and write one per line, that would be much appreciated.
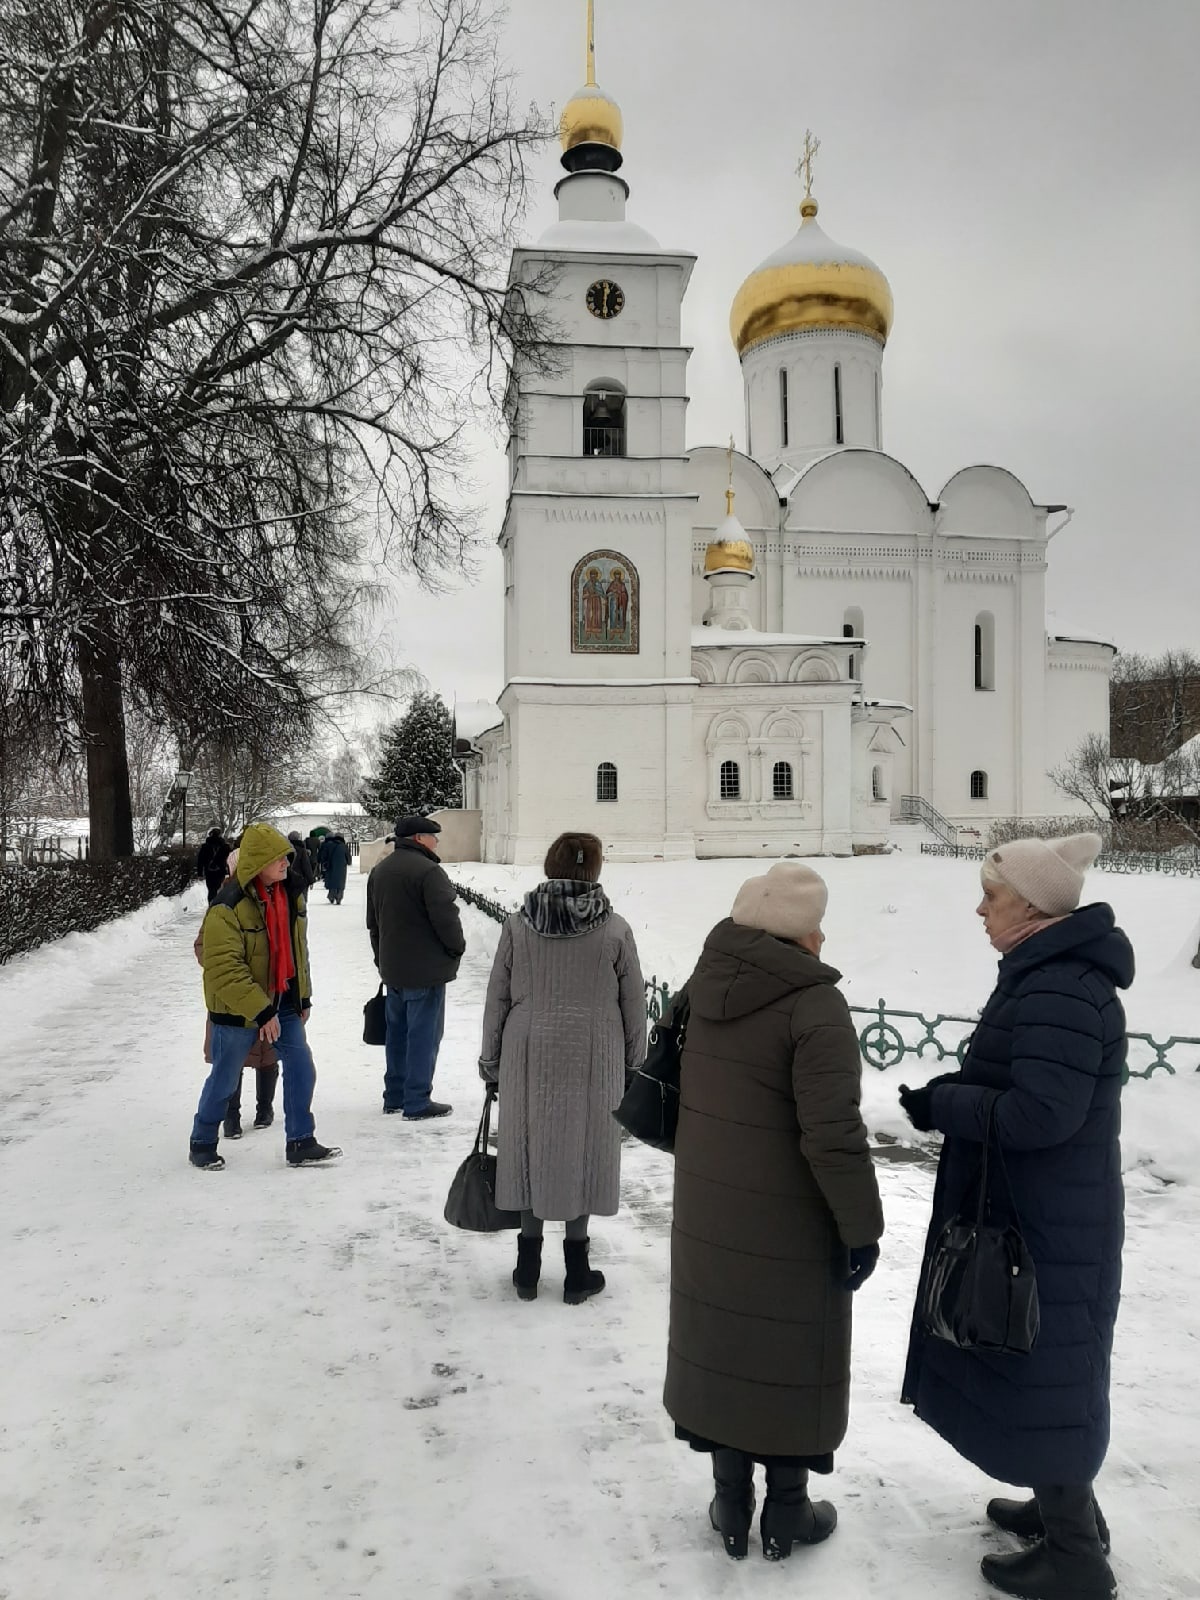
(716, 653)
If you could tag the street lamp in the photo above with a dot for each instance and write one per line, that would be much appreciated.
(182, 779)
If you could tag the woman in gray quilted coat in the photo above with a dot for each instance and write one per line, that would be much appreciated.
(565, 1021)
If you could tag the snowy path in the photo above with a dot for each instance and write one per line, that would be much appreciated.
(268, 1383)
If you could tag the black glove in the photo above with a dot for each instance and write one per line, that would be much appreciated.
(864, 1258)
(918, 1106)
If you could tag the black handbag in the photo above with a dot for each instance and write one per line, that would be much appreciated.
(649, 1109)
(375, 1019)
(981, 1286)
(471, 1203)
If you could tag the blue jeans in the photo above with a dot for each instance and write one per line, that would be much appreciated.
(416, 1019)
(230, 1047)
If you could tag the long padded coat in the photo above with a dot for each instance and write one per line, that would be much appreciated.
(1049, 1054)
(565, 1021)
(773, 1183)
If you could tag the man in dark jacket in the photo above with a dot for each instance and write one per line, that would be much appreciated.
(417, 938)
(211, 859)
(301, 864)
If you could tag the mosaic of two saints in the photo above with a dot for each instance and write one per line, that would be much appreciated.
(605, 605)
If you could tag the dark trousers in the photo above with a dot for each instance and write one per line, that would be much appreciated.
(533, 1227)
(415, 1021)
(265, 1080)
(1069, 1518)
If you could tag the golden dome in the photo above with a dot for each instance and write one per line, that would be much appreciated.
(592, 117)
(734, 555)
(812, 282)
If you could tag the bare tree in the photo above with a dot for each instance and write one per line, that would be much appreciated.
(1142, 804)
(245, 247)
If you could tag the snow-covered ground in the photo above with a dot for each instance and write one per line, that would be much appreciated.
(268, 1383)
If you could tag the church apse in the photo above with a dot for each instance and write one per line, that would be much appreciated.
(605, 603)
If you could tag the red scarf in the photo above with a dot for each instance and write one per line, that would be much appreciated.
(279, 936)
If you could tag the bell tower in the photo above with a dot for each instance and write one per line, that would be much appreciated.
(597, 533)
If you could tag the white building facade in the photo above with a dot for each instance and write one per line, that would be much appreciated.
(719, 653)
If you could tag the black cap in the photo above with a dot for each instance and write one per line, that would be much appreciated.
(407, 827)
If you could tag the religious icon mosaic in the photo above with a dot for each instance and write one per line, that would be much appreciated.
(604, 605)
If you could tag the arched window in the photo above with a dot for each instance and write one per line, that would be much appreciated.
(985, 651)
(604, 419)
(853, 627)
(877, 784)
(839, 431)
(606, 781)
(979, 785)
(783, 407)
(731, 781)
(782, 787)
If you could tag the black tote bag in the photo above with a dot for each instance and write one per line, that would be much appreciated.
(375, 1019)
(981, 1287)
(649, 1109)
(471, 1203)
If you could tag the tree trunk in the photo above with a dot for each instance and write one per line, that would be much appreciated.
(110, 812)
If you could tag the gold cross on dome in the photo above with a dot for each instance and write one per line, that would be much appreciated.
(729, 494)
(805, 169)
(591, 43)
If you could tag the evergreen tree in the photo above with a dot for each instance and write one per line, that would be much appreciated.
(415, 773)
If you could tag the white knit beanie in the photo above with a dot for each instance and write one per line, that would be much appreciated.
(1047, 872)
(788, 901)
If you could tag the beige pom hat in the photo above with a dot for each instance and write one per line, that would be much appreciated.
(1046, 872)
(788, 901)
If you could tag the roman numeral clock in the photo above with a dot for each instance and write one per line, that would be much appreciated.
(605, 299)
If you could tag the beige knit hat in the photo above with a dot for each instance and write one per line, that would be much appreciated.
(788, 901)
(1047, 872)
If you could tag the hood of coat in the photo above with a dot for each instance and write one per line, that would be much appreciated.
(261, 844)
(742, 970)
(563, 908)
(1089, 934)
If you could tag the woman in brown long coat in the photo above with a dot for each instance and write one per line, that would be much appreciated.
(777, 1213)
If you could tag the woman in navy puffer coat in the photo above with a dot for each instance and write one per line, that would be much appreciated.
(1048, 1057)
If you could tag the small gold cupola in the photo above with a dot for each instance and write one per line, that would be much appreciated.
(591, 117)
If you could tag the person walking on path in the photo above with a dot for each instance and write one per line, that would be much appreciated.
(777, 1213)
(564, 1023)
(262, 1057)
(416, 935)
(256, 987)
(302, 864)
(1044, 1072)
(210, 861)
(337, 862)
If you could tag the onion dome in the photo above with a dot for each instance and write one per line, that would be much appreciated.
(812, 282)
(730, 550)
(591, 117)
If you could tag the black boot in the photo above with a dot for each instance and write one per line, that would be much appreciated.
(1024, 1519)
(205, 1157)
(528, 1268)
(308, 1153)
(1044, 1573)
(264, 1109)
(789, 1517)
(732, 1508)
(581, 1282)
(233, 1113)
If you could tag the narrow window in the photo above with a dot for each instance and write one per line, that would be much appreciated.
(877, 784)
(731, 781)
(839, 432)
(606, 781)
(979, 786)
(603, 421)
(783, 407)
(985, 651)
(853, 628)
(878, 411)
(781, 781)
(749, 428)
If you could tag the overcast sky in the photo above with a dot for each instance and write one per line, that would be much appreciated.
(1026, 173)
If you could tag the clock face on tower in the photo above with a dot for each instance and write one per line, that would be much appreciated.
(605, 299)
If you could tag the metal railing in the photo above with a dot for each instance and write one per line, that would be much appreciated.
(914, 808)
(604, 441)
(1181, 863)
(886, 1039)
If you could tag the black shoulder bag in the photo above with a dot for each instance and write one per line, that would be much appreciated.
(375, 1019)
(981, 1288)
(649, 1109)
(471, 1203)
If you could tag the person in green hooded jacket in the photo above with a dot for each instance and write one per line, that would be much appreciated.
(256, 986)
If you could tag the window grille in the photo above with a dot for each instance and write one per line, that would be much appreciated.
(606, 781)
(979, 786)
(781, 781)
(731, 781)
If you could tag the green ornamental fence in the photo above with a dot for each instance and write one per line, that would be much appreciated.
(891, 1035)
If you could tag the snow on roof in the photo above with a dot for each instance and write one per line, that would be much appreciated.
(600, 238)
(1059, 634)
(750, 639)
(473, 717)
(320, 808)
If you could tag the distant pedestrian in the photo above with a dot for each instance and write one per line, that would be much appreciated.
(337, 863)
(210, 861)
(1043, 1073)
(564, 1023)
(777, 1213)
(256, 987)
(301, 864)
(417, 937)
(262, 1057)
